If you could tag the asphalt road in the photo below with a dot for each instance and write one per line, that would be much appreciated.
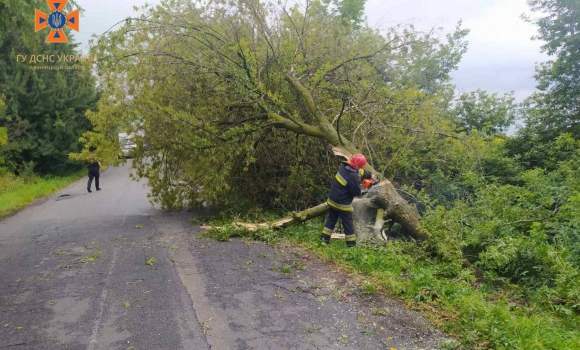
(106, 270)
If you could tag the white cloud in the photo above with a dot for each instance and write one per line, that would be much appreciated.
(99, 16)
(501, 55)
(424, 14)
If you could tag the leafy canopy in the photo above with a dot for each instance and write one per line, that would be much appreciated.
(222, 89)
(556, 108)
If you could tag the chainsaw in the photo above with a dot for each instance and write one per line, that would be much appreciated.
(368, 183)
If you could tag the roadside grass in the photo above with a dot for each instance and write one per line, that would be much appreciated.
(478, 312)
(17, 193)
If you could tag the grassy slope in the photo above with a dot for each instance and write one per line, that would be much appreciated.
(16, 193)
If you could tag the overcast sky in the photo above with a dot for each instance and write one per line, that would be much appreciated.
(501, 55)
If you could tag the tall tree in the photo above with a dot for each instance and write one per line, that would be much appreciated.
(350, 11)
(556, 108)
(3, 135)
(44, 112)
(484, 112)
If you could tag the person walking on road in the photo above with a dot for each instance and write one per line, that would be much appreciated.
(94, 172)
(345, 186)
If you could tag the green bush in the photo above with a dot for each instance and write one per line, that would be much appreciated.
(459, 297)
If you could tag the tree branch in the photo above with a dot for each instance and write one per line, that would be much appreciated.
(294, 126)
(310, 104)
(554, 213)
(423, 131)
(357, 58)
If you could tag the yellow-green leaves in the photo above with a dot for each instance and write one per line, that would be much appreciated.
(3, 136)
(212, 85)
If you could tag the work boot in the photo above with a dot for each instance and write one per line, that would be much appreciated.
(351, 244)
(88, 189)
(325, 239)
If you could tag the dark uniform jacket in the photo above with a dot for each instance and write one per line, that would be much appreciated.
(93, 167)
(346, 186)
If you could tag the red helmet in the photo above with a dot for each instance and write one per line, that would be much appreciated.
(357, 161)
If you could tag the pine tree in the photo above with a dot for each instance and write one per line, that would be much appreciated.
(44, 112)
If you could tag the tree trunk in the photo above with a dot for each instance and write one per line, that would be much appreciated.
(382, 203)
(370, 211)
(296, 218)
(384, 196)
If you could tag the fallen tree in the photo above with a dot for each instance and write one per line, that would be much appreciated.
(207, 83)
(380, 204)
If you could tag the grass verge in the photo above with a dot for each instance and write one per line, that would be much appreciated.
(17, 193)
(478, 312)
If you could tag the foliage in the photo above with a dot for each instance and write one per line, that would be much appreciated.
(226, 232)
(534, 151)
(107, 151)
(287, 177)
(3, 136)
(484, 112)
(350, 11)
(239, 101)
(523, 242)
(44, 109)
(555, 109)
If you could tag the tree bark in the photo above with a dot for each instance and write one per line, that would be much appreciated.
(296, 218)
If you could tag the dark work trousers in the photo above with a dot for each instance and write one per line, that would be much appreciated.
(347, 224)
(93, 174)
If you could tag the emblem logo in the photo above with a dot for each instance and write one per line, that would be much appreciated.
(56, 20)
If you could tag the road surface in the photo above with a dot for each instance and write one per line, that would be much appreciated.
(106, 270)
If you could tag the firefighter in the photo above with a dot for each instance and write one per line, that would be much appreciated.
(345, 186)
(94, 172)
